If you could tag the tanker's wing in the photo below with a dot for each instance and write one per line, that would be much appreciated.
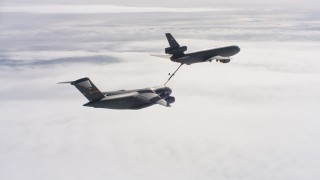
(219, 58)
(149, 96)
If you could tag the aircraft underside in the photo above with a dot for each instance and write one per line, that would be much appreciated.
(125, 103)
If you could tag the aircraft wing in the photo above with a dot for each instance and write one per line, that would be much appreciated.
(150, 96)
(219, 58)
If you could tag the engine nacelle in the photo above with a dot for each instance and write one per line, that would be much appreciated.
(163, 92)
(225, 61)
(164, 95)
(170, 99)
(178, 50)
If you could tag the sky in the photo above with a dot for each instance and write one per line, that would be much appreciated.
(178, 3)
(256, 117)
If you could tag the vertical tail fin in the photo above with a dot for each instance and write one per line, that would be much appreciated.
(175, 49)
(172, 42)
(87, 88)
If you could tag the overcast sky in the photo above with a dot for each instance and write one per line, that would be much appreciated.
(177, 3)
(254, 118)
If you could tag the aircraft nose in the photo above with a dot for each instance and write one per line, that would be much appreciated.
(236, 49)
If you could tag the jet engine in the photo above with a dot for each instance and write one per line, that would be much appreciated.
(177, 50)
(170, 99)
(164, 95)
(163, 92)
(225, 61)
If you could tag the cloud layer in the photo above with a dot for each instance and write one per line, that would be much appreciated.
(178, 3)
(254, 118)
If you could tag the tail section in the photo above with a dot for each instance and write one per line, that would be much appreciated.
(87, 88)
(175, 49)
(172, 42)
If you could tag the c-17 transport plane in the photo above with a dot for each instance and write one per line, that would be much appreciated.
(177, 54)
(123, 99)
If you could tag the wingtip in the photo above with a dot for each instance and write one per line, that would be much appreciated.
(66, 82)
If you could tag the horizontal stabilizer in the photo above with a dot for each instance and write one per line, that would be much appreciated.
(165, 56)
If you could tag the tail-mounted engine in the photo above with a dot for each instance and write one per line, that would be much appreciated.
(176, 50)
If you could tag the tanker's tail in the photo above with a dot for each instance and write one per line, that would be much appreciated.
(175, 49)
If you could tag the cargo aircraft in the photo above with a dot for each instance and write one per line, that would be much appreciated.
(123, 99)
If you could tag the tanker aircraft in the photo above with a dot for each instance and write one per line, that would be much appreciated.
(177, 54)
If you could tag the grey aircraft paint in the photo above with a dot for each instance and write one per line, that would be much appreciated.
(177, 54)
(123, 99)
(142, 98)
(176, 51)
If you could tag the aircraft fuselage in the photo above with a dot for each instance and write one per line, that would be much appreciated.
(205, 55)
(127, 99)
(123, 99)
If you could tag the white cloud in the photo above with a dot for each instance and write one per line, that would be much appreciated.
(178, 3)
(255, 118)
(78, 9)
